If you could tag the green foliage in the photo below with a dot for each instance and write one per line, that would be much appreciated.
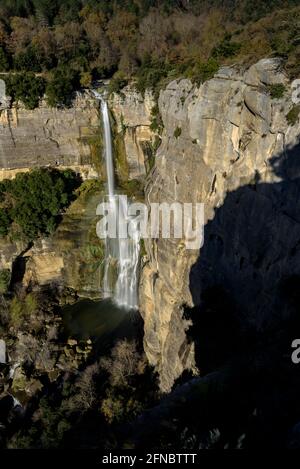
(5, 276)
(293, 115)
(143, 251)
(4, 60)
(88, 187)
(226, 48)
(21, 309)
(133, 188)
(156, 120)
(149, 149)
(276, 91)
(54, 425)
(33, 201)
(177, 132)
(117, 83)
(86, 79)
(147, 41)
(116, 408)
(121, 162)
(203, 71)
(17, 312)
(61, 87)
(150, 73)
(27, 60)
(25, 87)
(5, 222)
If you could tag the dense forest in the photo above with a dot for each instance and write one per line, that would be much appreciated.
(57, 47)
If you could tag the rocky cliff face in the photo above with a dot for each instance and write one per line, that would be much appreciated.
(217, 138)
(132, 114)
(48, 136)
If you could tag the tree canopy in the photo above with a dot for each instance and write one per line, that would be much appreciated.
(30, 204)
(144, 40)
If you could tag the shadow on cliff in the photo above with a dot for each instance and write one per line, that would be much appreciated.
(246, 281)
(246, 288)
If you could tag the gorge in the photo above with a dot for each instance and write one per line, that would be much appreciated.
(227, 143)
(231, 129)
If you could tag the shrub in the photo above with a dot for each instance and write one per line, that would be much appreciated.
(293, 115)
(177, 132)
(156, 120)
(117, 83)
(86, 79)
(5, 222)
(17, 312)
(132, 188)
(123, 363)
(5, 276)
(151, 73)
(226, 49)
(149, 149)
(276, 91)
(203, 71)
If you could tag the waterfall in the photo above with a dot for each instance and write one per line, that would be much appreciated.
(121, 254)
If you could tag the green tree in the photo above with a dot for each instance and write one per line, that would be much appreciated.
(27, 60)
(25, 87)
(61, 87)
(34, 201)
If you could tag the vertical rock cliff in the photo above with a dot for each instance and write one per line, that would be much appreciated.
(48, 136)
(133, 135)
(217, 138)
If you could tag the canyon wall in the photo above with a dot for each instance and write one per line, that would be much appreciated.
(217, 138)
(48, 136)
(132, 116)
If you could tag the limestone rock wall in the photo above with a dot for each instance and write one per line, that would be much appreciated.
(217, 137)
(132, 114)
(48, 136)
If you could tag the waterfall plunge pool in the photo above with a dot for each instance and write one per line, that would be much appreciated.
(101, 320)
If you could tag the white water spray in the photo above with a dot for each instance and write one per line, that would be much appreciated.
(120, 254)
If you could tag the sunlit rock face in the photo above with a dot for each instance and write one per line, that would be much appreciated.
(48, 136)
(132, 114)
(217, 138)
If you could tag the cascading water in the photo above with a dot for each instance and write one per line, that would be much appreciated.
(121, 254)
